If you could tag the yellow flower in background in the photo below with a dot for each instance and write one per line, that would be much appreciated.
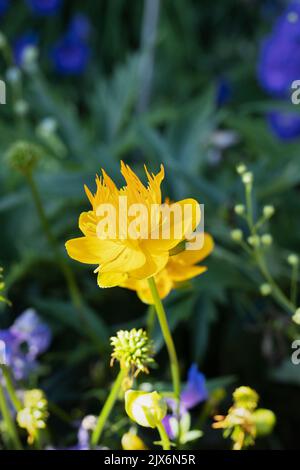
(131, 441)
(123, 245)
(180, 267)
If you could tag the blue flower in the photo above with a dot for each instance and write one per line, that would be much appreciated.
(285, 125)
(44, 7)
(279, 60)
(20, 45)
(288, 24)
(279, 65)
(4, 5)
(223, 92)
(70, 56)
(23, 342)
(195, 391)
(30, 329)
(79, 27)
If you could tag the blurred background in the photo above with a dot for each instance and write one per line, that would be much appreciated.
(199, 87)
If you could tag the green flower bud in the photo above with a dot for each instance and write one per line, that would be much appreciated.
(146, 409)
(264, 420)
(239, 209)
(23, 156)
(241, 168)
(267, 239)
(236, 235)
(296, 317)
(293, 259)
(247, 177)
(254, 240)
(245, 397)
(21, 108)
(265, 289)
(268, 211)
(133, 350)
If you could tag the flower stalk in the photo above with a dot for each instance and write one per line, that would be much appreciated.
(8, 420)
(108, 406)
(165, 442)
(162, 318)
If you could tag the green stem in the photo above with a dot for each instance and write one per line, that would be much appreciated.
(276, 291)
(150, 321)
(294, 283)
(164, 437)
(10, 425)
(65, 268)
(10, 388)
(162, 318)
(248, 190)
(108, 406)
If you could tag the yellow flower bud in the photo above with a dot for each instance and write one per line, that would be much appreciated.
(146, 409)
(293, 259)
(264, 421)
(268, 211)
(131, 441)
(241, 168)
(239, 209)
(236, 235)
(247, 177)
(254, 240)
(267, 239)
(296, 317)
(265, 289)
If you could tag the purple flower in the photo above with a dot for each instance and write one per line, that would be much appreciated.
(288, 24)
(167, 422)
(20, 45)
(279, 60)
(279, 64)
(79, 27)
(285, 125)
(223, 92)
(44, 7)
(70, 56)
(24, 341)
(4, 5)
(28, 328)
(195, 391)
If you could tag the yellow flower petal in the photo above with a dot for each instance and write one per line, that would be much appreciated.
(111, 279)
(180, 272)
(92, 250)
(154, 263)
(195, 256)
(126, 261)
(180, 220)
(88, 223)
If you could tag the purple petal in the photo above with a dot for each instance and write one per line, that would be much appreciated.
(285, 125)
(195, 391)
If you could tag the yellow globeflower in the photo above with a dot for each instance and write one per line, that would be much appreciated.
(180, 267)
(126, 233)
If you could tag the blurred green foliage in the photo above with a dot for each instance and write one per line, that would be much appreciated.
(220, 320)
